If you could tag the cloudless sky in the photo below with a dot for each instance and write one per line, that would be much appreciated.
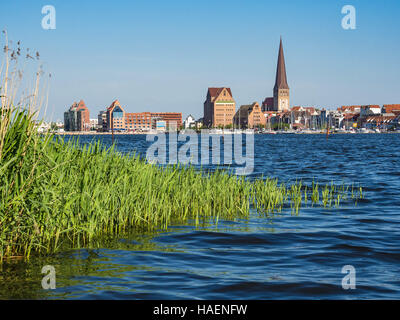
(163, 55)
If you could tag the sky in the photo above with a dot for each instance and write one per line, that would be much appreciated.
(162, 56)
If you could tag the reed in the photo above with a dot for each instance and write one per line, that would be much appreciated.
(56, 193)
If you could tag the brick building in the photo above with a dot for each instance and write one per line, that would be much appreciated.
(219, 107)
(173, 119)
(249, 116)
(138, 121)
(77, 118)
(116, 118)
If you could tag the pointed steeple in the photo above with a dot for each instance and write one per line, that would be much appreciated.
(281, 81)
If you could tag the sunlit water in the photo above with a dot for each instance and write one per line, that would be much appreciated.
(283, 257)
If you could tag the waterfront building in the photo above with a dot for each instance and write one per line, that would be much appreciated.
(199, 123)
(219, 107)
(77, 118)
(173, 119)
(369, 110)
(350, 120)
(249, 116)
(190, 122)
(306, 117)
(158, 124)
(391, 108)
(93, 124)
(349, 109)
(384, 121)
(138, 121)
(102, 121)
(115, 117)
(323, 117)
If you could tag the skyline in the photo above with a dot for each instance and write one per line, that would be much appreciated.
(165, 60)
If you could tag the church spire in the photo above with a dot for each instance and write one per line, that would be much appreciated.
(281, 81)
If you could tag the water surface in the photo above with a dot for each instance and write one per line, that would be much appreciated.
(284, 257)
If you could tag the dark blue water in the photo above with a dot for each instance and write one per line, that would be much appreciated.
(284, 257)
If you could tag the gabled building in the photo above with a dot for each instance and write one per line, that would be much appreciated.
(115, 117)
(350, 109)
(190, 122)
(249, 116)
(77, 118)
(219, 107)
(369, 110)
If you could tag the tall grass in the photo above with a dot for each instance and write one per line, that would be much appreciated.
(55, 193)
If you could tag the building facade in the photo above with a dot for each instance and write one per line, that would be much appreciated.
(249, 116)
(190, 122)
(77, 118)
(138, 121)
(115, 117)
(219, 107)
(173, 120)
(102, 121)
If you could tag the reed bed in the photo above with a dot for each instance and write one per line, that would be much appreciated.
(55, 193)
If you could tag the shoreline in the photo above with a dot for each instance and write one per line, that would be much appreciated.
(88, 133)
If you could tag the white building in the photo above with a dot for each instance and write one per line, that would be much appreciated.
(366, 111)
(189, 122)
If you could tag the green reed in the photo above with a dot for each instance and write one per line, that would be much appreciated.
(56, 193)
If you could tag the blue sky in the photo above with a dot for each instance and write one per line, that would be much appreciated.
(162, 55)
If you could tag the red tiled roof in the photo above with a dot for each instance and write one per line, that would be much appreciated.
(214, 92)
(352, 108)
(391, 107)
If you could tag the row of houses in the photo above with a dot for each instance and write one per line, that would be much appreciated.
(220, 111)
(115, 118)
(384, 117)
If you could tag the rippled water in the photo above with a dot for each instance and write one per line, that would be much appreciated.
(284, 257)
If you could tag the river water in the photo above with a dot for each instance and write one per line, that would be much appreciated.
(284, 257)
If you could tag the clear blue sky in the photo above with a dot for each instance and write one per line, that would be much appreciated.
(162, 55)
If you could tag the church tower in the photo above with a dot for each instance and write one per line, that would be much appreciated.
(281, 88)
